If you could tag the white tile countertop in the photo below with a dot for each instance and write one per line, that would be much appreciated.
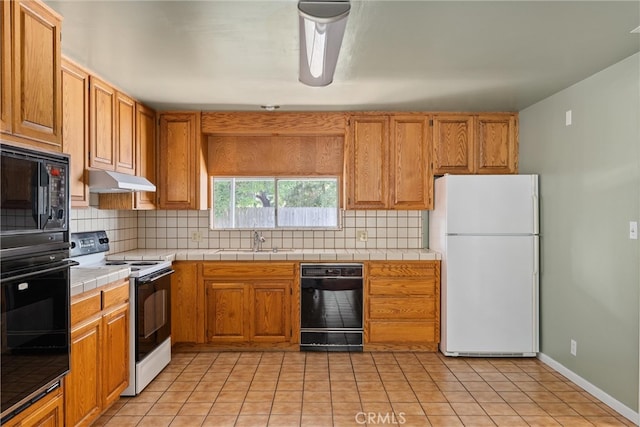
(280, 255)
(84, 279)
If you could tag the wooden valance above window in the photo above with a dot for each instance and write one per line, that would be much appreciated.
(276, 155)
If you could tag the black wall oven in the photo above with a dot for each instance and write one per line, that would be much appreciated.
(34, 276)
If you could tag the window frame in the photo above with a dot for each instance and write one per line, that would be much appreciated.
(275, 180)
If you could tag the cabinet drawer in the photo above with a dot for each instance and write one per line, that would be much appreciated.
(84, 307)
(402, 332)
(418, 308)
(115, 295)
(425, 269)
(247, 270)
(402, 286)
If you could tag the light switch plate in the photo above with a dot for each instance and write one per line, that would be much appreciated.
(567, 118)
(633, 230)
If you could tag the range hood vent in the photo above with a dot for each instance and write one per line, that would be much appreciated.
(116, 182)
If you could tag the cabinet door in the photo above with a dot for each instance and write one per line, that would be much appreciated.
(146, 154)
(185, 310)
(453, 144)
(115, 354)
(37, 88)
(102, 131)
(271, 316)
(75, 129)
(368, 162)
(179, 162)
(125, 131)
(83, 383)
(5, 67)
(48, 413)
(497, 144)
(411, 179)
(227, 312)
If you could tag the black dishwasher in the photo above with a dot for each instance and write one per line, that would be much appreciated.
(331, 307)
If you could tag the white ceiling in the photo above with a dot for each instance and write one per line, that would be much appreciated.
(396, 55)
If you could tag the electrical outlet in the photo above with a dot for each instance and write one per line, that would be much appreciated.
(196, 236)
(574, 348)
(363, 236)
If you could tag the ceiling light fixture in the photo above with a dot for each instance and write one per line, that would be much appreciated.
(322, 25)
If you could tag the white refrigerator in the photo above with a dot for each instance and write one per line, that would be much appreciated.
(486, 228)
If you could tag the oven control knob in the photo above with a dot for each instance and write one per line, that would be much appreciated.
(73, 245)
(103, 240)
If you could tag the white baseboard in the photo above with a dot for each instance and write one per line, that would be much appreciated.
(614, 404)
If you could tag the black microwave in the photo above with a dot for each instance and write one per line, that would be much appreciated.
(34, 201)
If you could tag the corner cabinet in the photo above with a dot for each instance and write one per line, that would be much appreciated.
(475, 144)
(388, 162)
(402, 305)
(248, 304)
(182, 167)
(31, 105)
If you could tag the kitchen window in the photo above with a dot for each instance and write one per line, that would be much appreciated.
(274, 203)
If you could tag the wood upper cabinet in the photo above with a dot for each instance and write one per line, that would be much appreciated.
(182, 157)
(453, 144)
(102, 154)
(388, 162)
(411, 179)
(402, 305)
(497, 143)
(75, 129)
(145, 154)
(31, 107)
(125, 131)
(475, 144)
(367, 162)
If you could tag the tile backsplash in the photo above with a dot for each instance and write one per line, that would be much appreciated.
(190, 229)
(128, 230)
(121, 226)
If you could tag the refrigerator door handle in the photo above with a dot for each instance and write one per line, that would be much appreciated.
(536, 213)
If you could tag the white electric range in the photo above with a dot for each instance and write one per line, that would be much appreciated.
(149, 305)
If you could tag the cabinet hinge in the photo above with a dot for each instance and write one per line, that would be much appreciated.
(430, 122)
(290, 291)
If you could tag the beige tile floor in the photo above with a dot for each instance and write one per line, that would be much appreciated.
(359, 389)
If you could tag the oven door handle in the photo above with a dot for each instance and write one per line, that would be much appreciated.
(61, 266)
(154, 277)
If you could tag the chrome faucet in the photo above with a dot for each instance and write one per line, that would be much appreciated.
(258, 240)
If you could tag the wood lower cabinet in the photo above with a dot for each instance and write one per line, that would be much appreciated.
(187, 302)
(47, 412)
(247, 304)
(402, 305)
(99, 352)
(31, 106)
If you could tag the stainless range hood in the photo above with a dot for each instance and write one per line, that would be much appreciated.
(116, 182)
